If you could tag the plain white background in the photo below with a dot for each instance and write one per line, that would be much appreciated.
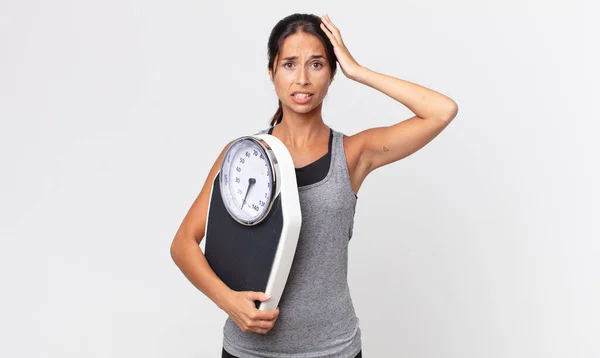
(483, 244)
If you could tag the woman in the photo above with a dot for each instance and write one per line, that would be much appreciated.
(315, 317)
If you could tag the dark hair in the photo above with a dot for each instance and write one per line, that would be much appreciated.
(290, 25)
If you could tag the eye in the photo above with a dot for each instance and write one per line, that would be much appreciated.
(320, 65)
(285, 65)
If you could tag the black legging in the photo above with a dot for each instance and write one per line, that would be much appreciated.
(226, 354)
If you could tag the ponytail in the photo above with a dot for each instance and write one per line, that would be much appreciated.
(278, 116)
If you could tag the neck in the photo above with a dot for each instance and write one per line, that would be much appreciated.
(300, 130)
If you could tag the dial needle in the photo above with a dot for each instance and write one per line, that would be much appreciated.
(251, 181)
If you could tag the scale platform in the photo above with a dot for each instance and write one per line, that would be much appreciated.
(257, 257)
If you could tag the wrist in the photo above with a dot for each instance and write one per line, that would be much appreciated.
(222, 298)
(359, 73)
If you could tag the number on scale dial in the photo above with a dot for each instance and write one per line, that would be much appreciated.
(246, 181)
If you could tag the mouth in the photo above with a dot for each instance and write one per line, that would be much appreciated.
(301, 95)
(301, 98)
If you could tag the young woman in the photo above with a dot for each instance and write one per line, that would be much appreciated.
(316, 316)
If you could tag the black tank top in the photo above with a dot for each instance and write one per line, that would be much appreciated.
(315, 171)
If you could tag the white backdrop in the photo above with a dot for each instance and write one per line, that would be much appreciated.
(112, 113)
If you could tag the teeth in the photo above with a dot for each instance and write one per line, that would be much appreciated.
(301, 95)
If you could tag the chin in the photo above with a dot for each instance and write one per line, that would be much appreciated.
(304, 109)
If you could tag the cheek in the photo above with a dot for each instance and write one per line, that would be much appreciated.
(281, 88)
(323, 86)
(322, 79)
(283, 83)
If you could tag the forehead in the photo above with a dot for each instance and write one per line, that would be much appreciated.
(301, 44)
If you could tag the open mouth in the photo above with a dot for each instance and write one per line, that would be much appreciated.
(301, 98)
(301, 95)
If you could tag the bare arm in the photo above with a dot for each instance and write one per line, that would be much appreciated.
(186, 252)
(185, 249)
(380, 146)
(376, 147)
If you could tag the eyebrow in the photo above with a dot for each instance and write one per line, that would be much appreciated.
(291, 58)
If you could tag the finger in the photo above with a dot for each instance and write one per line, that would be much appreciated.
(256, 329)
(255, 325)
(267, 326)
(334, 30)
(328, 25)
(325, 29)
(274, 314)
(330, 22)
(334, 37)
(329, 34)
(256, 296)
(267, 315)
(262, 325)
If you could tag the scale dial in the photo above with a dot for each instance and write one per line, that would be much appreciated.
(248, 180)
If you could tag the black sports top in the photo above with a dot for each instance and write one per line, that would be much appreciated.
(315, 171)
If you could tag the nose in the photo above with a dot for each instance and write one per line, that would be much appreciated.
(302, 78)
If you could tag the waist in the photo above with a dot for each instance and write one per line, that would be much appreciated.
(308, 324)
(317, 344)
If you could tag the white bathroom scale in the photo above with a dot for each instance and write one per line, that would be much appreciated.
(254, 217)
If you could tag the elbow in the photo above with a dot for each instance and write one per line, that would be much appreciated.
(450, 112)
(181, 245)
(174, 250)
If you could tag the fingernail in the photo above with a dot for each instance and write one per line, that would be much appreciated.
(267, 296)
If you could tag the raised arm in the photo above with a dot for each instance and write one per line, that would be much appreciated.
(380, 146)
